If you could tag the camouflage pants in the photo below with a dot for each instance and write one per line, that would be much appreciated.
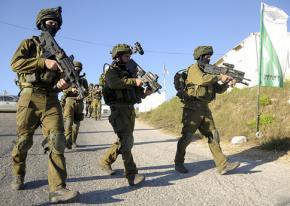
(89, 109)
(36, 109)
(122, 119)
(97, 108)
(73, 114)
(201, 119)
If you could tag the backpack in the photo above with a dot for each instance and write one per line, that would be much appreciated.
(179, 83)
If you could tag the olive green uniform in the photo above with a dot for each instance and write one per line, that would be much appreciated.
(38, 105)
(201, 89)
(89, 100)
(121, 93)
(97, 103)
(73, 112)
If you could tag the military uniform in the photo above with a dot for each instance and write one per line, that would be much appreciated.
(121, 93)
(89, 99)
(97, 103)
(38, 104)
(201, 88)
(73, 112)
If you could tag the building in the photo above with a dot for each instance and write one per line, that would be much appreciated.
(152, 102)
(245, 57)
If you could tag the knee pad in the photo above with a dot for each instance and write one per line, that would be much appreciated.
(58, 143)
(23, 144)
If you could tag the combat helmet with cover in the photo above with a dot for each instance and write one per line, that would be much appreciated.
(202, 50)
(120, 49)
(52, 13)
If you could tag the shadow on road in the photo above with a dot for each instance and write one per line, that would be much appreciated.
(254, 157)
(111, 131)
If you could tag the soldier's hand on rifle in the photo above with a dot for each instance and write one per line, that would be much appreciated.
(74, 90)
(139, 82)
(232, 83)
(52, 65)
(225, 78)
(62, 84)
(147, 91)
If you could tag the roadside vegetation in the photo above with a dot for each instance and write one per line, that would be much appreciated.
(235, 115)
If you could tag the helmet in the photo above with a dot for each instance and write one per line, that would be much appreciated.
(202, 50)
(52, 13)
(78, 64)
(120, 49)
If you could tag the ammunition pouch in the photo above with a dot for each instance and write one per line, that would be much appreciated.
(46, 77)
(131, 95)
(202, 93)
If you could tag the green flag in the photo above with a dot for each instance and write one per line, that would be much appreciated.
(273, 51)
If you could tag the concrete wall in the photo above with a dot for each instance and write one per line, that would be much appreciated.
(151, 102)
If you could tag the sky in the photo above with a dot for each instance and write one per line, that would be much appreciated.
(167, 30)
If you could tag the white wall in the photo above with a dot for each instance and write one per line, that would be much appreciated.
(245, 57)
(151, 102)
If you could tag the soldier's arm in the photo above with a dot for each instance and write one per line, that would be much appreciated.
(220, 88)
(115, 82)
(23, 62)
(197, 77)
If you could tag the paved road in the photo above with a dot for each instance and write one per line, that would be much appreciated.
(257, 182)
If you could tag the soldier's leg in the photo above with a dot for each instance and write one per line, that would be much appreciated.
(100, 110)
(94, 109)
(87, 109)
(111, 154)
(75, 131)
(52, 122)
(191, 120)
(208, 129)
(27, 119)
(78, 117)
(91, 109)
(68, 121)
(126, 145)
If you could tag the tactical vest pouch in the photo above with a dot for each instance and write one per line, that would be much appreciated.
(47, 77)
(32, 78)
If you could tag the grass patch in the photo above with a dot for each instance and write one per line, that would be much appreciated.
(235, 114)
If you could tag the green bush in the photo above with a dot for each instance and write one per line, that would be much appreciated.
(264, 100)
(265, 120)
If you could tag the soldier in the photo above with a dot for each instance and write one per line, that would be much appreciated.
(89, 100)
(38, 105)
(73, 109)
(121, 92)
(202, 89)
(97, 102)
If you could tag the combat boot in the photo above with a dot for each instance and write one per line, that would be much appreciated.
(230, 167)
(17, 183)
(179, 167)
(62, 195)
(136, 179)
(107, 169)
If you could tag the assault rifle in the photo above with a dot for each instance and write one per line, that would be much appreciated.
(51, 50)
(228, 70)
(149, 79)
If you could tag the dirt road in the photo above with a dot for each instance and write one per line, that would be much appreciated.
(258, 181)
